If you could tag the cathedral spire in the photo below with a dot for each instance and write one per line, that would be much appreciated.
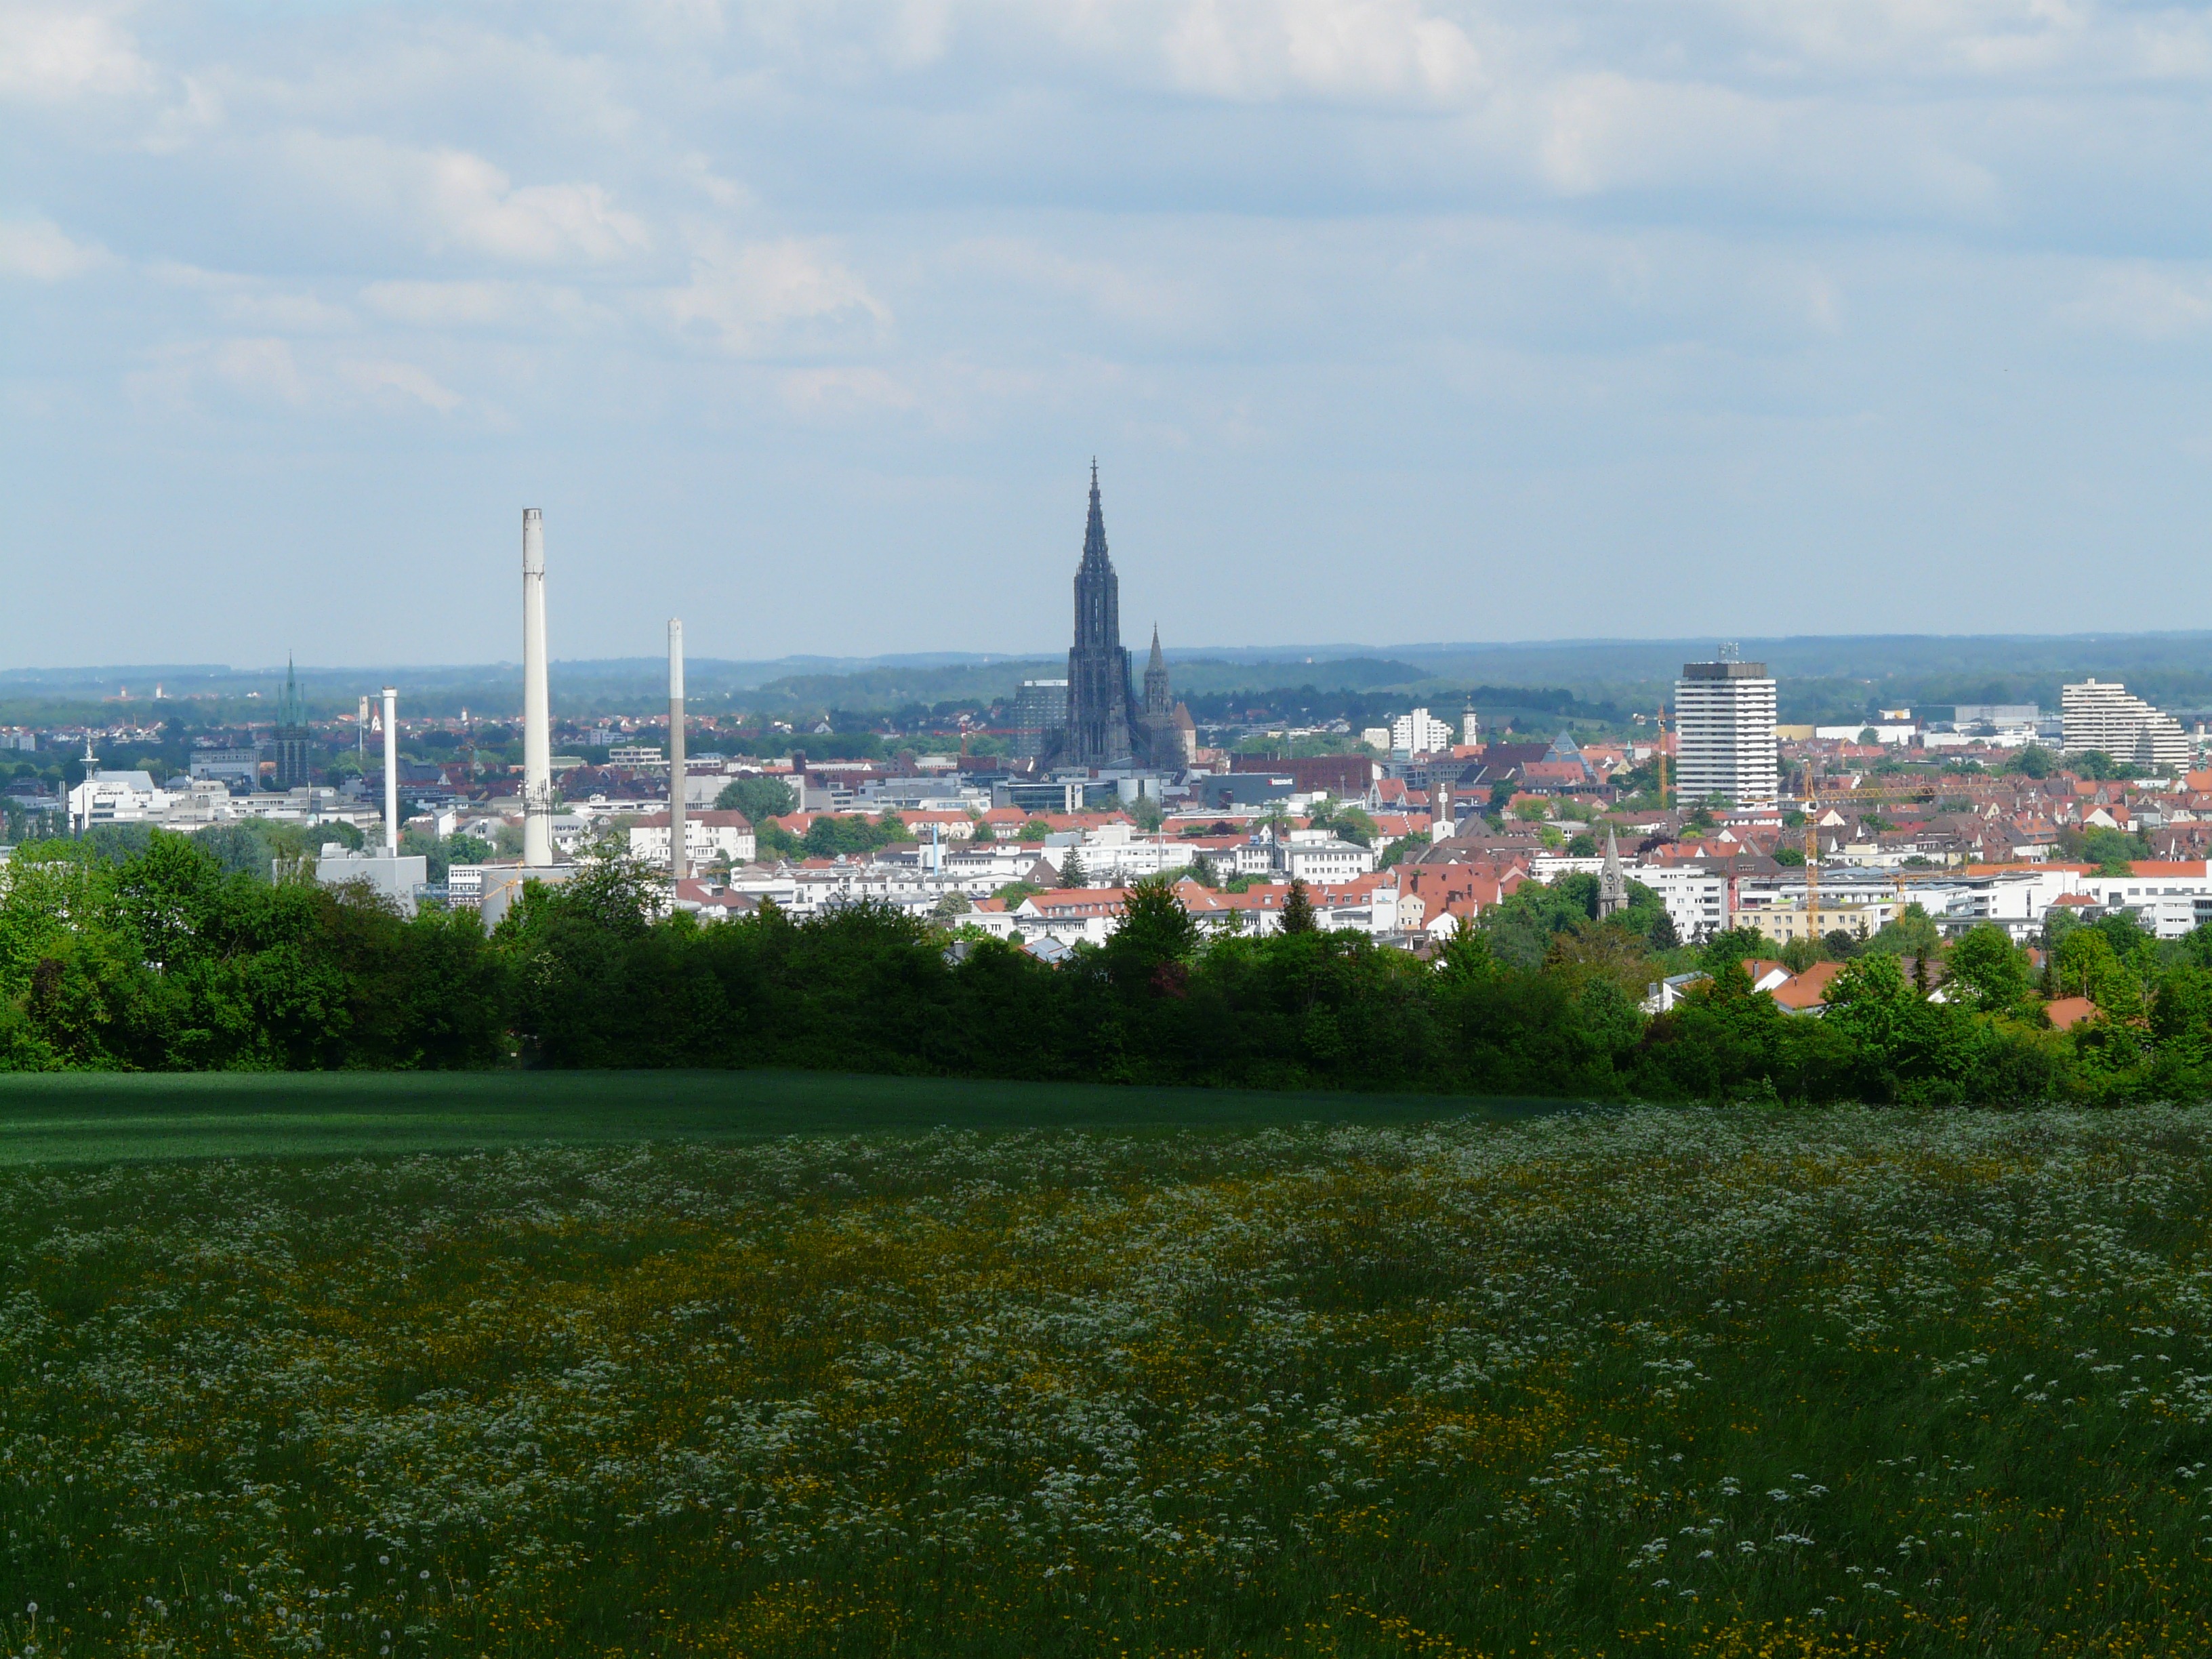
(1094, 532)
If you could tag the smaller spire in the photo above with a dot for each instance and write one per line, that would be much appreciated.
(1158, 661)
(1613, 880)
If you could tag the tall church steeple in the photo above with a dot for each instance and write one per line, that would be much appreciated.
(1097, 667)
(1611, 879)
(1159, 701)
(1098, 591)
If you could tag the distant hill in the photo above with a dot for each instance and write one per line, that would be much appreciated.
(1823, 677)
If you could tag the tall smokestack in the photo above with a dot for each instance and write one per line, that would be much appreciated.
(537, 704)
(391, 772)
(679, 863)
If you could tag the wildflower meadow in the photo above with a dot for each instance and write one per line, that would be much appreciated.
(1685, 1381)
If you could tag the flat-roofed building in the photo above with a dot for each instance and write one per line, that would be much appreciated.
(1724, 734)
(2100, 717)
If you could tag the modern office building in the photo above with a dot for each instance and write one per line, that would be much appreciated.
(1724, 733)
(2101, 717)
(1419, 733)
(1039, 716)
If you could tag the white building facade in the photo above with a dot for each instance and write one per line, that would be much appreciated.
(2099, 715)
(1724, 734)
(708, 836)
(1419, 733)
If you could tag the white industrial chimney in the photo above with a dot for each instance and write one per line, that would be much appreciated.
(391, 772)
(537, 704)
(678, 862)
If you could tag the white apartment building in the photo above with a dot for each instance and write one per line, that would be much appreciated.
(2170, 899)
(1114, 854)
(1724, 734)
(708, 836)
(1697, 899)
(1323, 861)
(1419, 733)
(2101, 715)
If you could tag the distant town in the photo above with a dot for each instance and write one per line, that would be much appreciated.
(1027, 816)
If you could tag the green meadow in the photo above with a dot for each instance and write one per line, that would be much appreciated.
(756, 1364)
(76, 1117)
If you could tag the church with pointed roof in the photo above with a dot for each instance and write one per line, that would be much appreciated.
(1108, 723)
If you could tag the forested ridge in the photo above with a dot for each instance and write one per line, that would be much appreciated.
(161, 959)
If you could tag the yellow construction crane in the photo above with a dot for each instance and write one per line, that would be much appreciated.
(1814, 801)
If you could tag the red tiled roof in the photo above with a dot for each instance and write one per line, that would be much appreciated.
(2067, 1013)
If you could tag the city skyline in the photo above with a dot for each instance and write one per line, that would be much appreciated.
(1414, 301)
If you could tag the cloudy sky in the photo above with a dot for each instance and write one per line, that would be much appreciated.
(1388, 320)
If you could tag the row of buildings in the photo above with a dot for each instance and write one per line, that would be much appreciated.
(1729, 742)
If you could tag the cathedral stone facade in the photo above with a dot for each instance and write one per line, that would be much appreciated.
(1108, 725)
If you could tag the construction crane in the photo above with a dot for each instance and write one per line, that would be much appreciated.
(1814, 801)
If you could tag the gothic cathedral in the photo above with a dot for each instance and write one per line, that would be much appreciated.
(1106, 724)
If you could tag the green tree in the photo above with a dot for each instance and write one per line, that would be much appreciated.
(1399, 850)
(1734, 945)
(1354, 824)
(1298, 911)
(1914, 934)
(468, 849)
(2112, 851)
(1071, 872)
(1467, 958)
(758, 798)
(2087, 965)
(1988, 970)
(1035, 829)
(1154, 929)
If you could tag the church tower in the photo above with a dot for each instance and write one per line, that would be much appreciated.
(293, 745)
(1159, 701)
(1098, 724)
(1611, 879)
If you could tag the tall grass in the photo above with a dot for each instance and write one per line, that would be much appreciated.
(1652, 1382)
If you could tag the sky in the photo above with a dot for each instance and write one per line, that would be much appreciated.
(1386, 320)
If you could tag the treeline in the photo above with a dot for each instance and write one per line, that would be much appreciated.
(164, 959)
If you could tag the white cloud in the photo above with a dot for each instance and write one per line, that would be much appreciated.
(482, 304)
(822, 391)
(1111, 289)
(40, 249)
(407, 379)
(1251, 49)
(763, 296)
(2142, 300)
(263, 368)
(292, 314)
(55, 55)
(459, 202)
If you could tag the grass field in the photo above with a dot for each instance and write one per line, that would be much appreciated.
(78, 1117)
(1631, 1383)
